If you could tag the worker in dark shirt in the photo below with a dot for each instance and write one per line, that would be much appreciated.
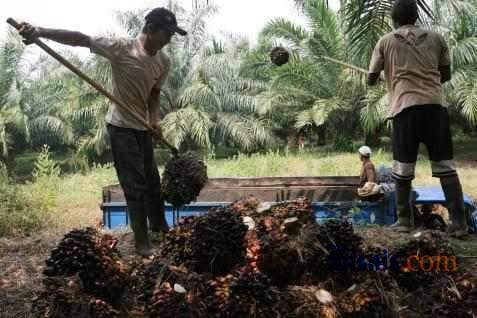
(416, 63)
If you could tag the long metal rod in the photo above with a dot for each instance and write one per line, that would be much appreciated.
(93, 83)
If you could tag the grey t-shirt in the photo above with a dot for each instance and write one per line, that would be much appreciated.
(135, 75)
(410, 57)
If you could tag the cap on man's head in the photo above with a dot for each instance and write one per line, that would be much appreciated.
(365, 151)
(164, 19)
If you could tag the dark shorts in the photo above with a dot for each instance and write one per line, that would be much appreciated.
(427, 124)
(133, 156)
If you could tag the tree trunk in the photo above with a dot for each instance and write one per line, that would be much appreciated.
(321, 131)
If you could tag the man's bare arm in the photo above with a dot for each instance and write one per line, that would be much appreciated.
(66, 37)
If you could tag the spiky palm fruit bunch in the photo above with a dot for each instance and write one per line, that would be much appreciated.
(449, 295)
(254, 249)
(253, 295)
(375, 294)
(101, 309)
(143, 279)
(342, 245)
(217, 243)
(218, 294)
(458, 297)
(175, 246)
(60, 297)
(213, 243)
(277, 257)
(94, 257)
(276, 245)
(279, 55)
(313, 255)
(177, 293)
(310, 302)
(168, 303)
(183, 178)
(300, 209)
(421, 259)
(247, 207)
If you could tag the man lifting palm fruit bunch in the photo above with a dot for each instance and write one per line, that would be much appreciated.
(139, 69)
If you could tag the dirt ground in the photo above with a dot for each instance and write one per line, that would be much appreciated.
(22, 261)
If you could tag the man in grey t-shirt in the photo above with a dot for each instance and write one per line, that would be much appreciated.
(139, 69)
(416, 63)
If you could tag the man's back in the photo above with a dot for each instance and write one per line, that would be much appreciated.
(411, 57)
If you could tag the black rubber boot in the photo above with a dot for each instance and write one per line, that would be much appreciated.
(138, 216)
(156, 214)
(455, 204)
(403, 202)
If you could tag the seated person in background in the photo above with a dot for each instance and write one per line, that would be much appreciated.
(368, 172)
(368, 188)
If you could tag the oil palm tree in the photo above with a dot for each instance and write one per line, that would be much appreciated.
(309, 91)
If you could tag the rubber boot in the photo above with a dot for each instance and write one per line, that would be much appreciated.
(455, 204)
(156, 214)
(137, 213)
(403, 203)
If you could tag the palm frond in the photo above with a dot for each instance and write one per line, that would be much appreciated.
(464, 52)
(466, 94)
(187, 122)
(282, 28)
(317, 115)
(374, 114)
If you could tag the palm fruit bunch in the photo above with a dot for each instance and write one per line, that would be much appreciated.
(168, 303)
(183, 178)
(310, 302)
(458, 297)
(419, 258)
(213, 243)
(60, 297)
(332, 247)
(142, 281)
(252, 295)
(300, 209)
(217, 242)
(277, 256)
(218, 294)
(449, 295)
(94, 257)
(312, 255)
(177, 293)
(275, 242)
(175, 246)
(247, 207)
(254, 249)
(375, 294)
(279, 55)
(101, 309)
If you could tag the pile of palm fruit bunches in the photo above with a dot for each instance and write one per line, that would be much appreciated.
(252, 259)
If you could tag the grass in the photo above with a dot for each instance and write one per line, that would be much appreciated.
(79, 196)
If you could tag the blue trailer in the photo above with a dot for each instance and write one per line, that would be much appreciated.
(331, 197)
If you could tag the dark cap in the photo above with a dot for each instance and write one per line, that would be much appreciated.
(165, 19)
